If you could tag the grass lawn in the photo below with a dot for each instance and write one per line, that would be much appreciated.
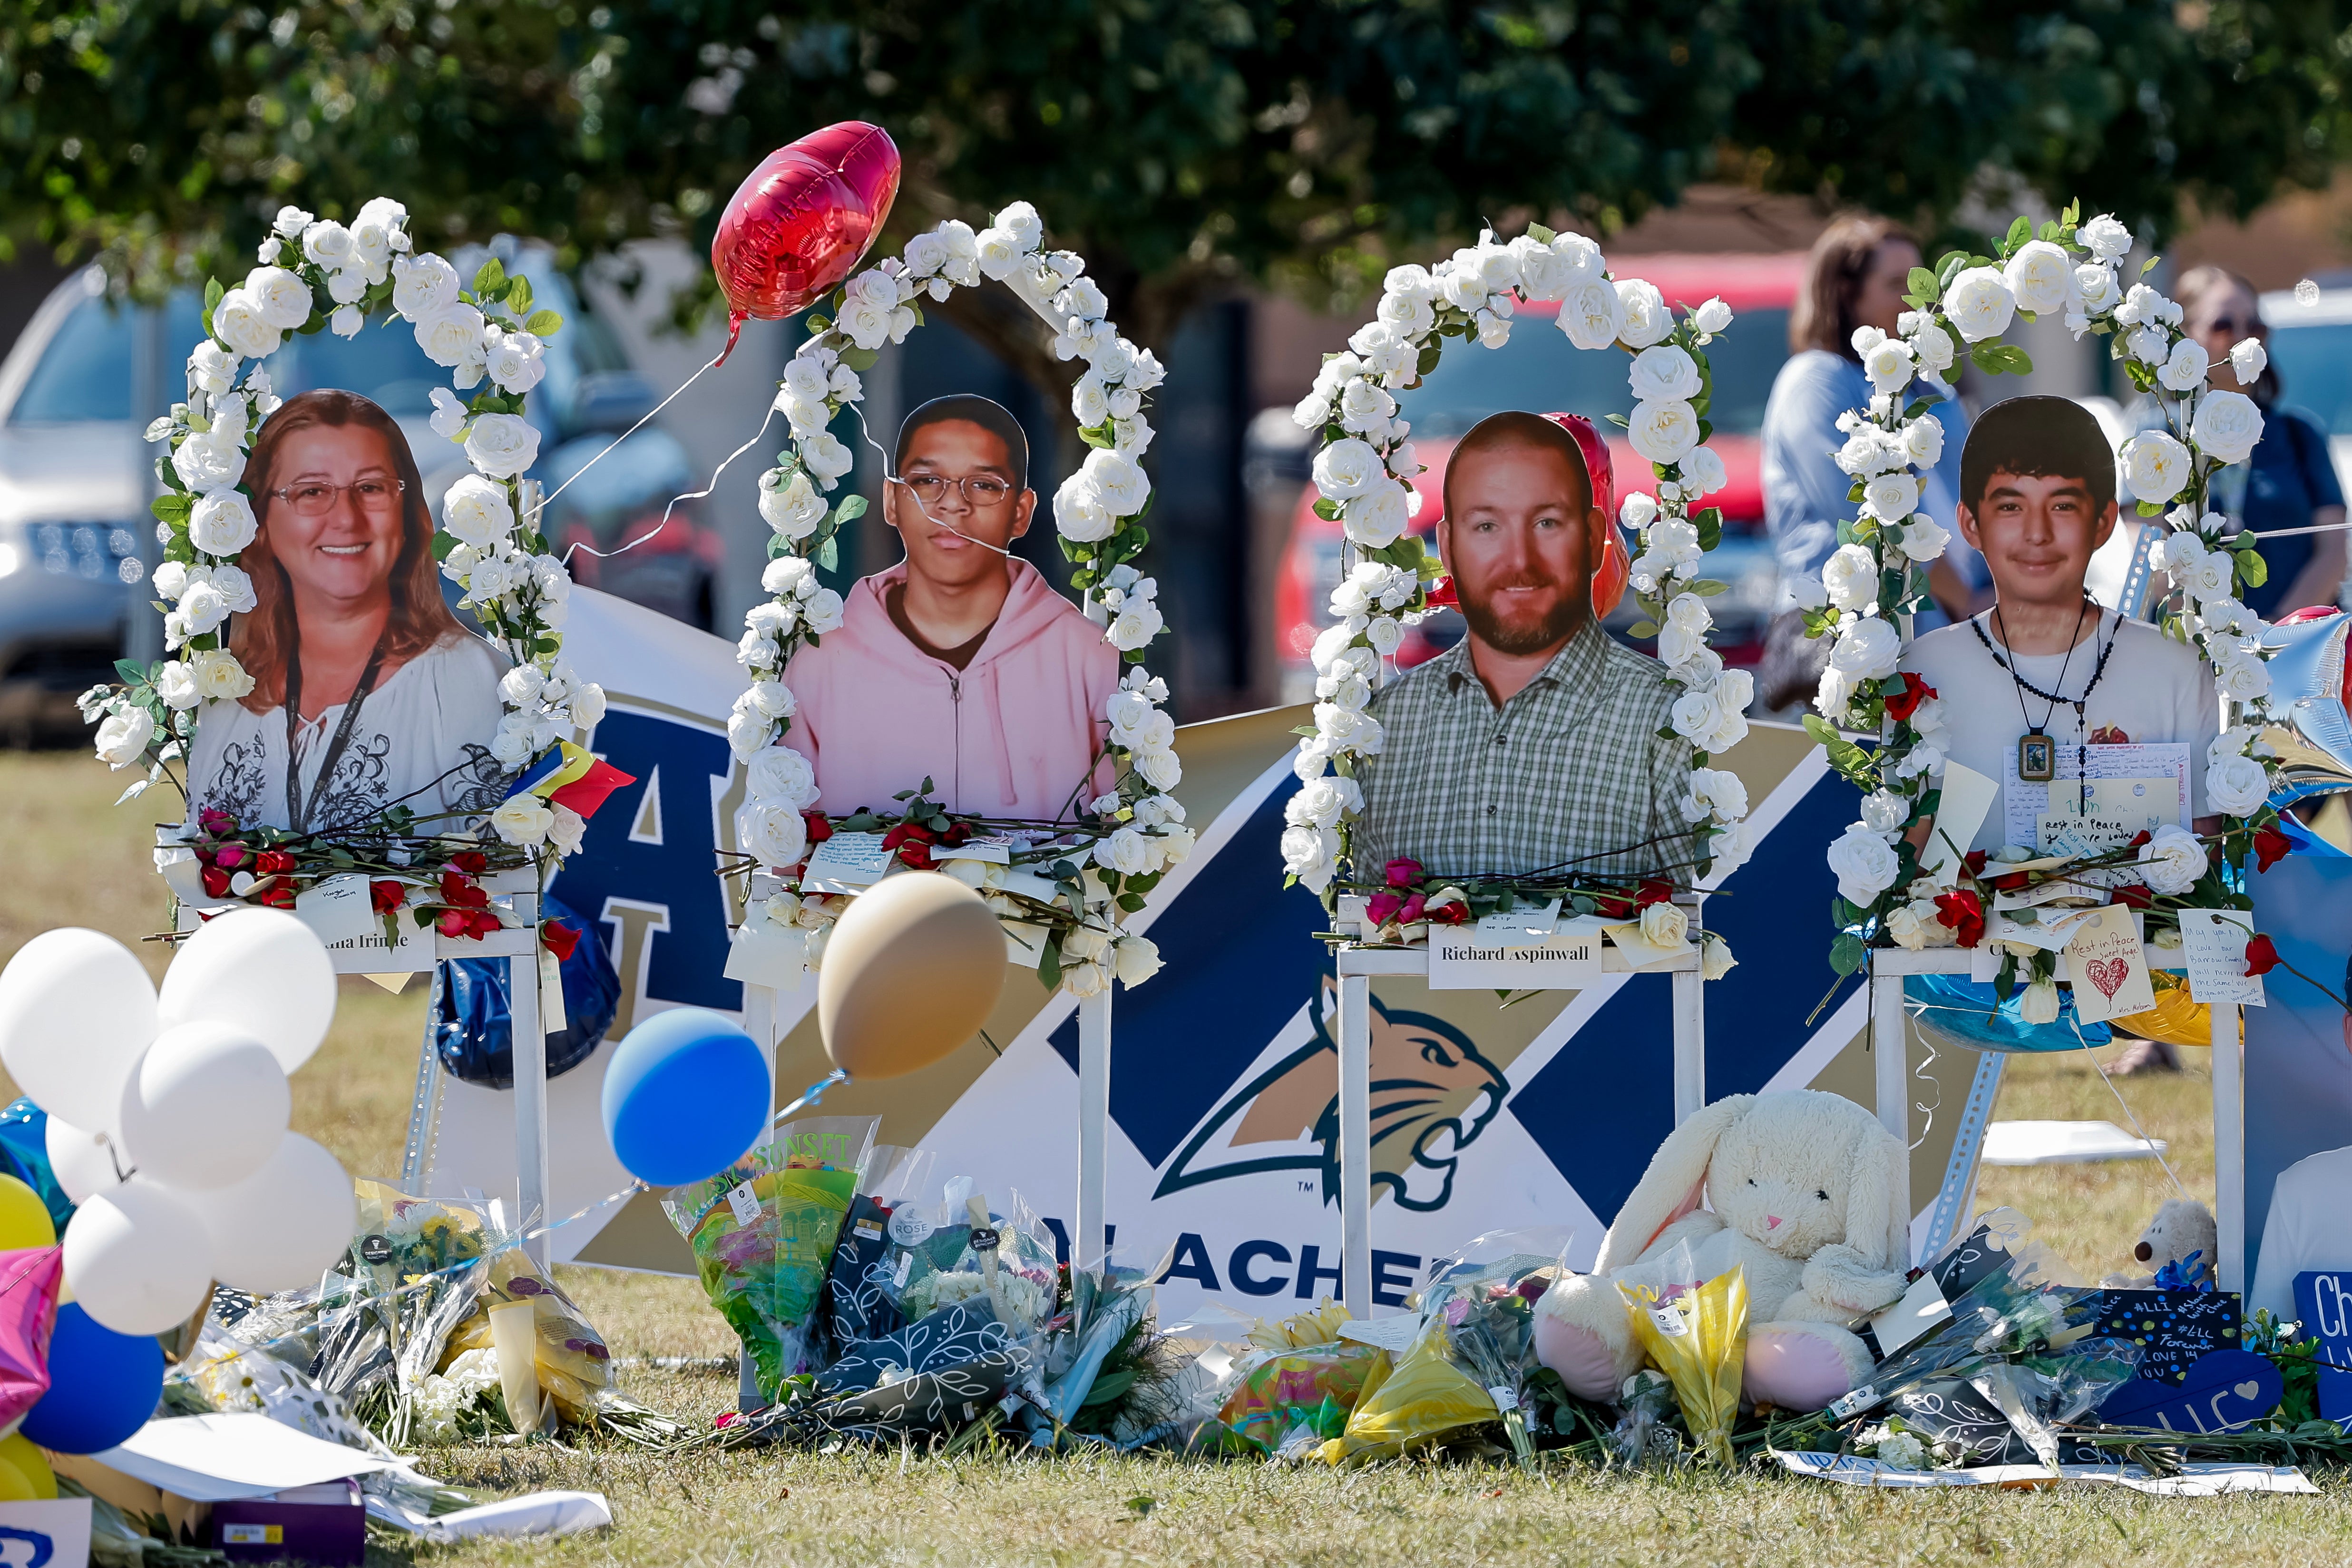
(81, 861)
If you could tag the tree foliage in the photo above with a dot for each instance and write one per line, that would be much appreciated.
(1181, 145)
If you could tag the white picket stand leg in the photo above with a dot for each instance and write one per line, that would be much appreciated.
(2229, 1147)
(1089, 1233)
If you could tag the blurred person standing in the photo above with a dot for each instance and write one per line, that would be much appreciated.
(1856, 277)
(2290, 481)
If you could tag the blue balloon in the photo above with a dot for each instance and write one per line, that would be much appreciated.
(103, 1386)
(686, 1093)
(1967, 1012)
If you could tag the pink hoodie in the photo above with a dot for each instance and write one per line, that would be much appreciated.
(1010, 736)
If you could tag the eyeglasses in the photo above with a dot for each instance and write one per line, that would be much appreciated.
(979, 490)
(316, 497)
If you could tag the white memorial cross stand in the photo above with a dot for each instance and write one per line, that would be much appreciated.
(1358, 964)
(1888, 966)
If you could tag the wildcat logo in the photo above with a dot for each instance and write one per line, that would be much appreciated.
(1432, 1093)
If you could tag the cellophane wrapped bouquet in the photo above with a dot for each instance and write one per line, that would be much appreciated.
(1696, 1332)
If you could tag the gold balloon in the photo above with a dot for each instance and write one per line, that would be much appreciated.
(910, 973)
(2177, 1017)
(30, 1466)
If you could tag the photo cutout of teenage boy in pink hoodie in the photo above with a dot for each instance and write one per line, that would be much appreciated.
(959, 664)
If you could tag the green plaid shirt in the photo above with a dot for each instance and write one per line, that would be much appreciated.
(1572, 766)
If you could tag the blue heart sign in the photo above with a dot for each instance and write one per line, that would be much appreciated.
(2223, 1391)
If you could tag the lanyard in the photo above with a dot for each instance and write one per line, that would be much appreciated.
(297, 815)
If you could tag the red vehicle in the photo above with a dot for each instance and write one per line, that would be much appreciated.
(1541, 372)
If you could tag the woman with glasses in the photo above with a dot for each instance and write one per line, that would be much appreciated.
(2290, 482)
(959, 664)
(367, 694)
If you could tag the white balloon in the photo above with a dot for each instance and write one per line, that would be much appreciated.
(82, 1161)
(280, 1228)
(205, 1107)
(76, 1009)
(138, 1258)
(260, 969)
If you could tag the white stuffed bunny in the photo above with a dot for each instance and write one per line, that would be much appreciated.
(1803, 1193)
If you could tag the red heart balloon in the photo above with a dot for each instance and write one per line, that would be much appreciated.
(801, 221)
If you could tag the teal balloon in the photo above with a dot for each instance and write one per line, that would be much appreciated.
(686, 1093)
(1961, 1012)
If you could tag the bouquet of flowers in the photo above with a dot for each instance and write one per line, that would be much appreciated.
(1697, 1333)
(1488, 1308)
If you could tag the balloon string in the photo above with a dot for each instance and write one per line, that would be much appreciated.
(674, 500)
(541, 510)
(814, 1093)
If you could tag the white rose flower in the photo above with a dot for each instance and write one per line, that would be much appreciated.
(781, 776)
(1704, 472)
(1924, 539)
(786, 575)
(449, 414)
(2149, 345)
(1118, 480)
(790, 507)
(1866, 651)
(1891, 498)
(1664, 374)
(2155, 466)
(1889, 366)
(1386, 634)
(1850, 577)
(2226, 424)
(1089, 401)
(1124, 851)
(1134, 959)
(123, 736)
(567, 830)
(1349, 467)
(2041, 276)
(218, 676)
(587, 705)
(1159, 770)
(1310, 854)
(290, 222)
(1721, 791)
(517, 361)
(177, 687)
(776, 835)
(2248, 359)
(452, 335)
(222, 523)
(821, 612)
(1980, 304)
(1364, 408)
(202, 608)
(2241, 676)
(2184, 369)
(1712, 319)
(1666, 924)
(477, 512)
(1375, 520)
(327, 244)
(422, 287)
(2104, 238)
(282, 298)
(1908, 927)
(1645, 320)
(826, 456)
(1884, 811)
(1863, 863)
(772, 700)
(1697, 716)
(239, 323)
(1079, 515)
(212, 367)
(2039, 1004)
(1932, 346)
(172, 579)
(2096, 285)
(522, 820)
(347, 287)
(2172, 861)
(1637, 511)
(1663, 431)
(2236, 786)
(1591, 316)
(1922, 441)
(1321, 802)
(502, 444)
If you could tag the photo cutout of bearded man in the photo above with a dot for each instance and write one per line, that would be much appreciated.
(961, 663)
(1534, 743)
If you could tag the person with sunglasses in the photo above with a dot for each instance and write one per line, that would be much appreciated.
(961, 663)
(2290, 482)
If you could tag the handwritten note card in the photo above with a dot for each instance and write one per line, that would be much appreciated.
(846, 863)
(1527, 926)
(2024, 801)
(2110, 971)
(2213, 946)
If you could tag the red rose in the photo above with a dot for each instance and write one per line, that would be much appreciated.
(228, 857)
(386, 897)
(2140, 839)
(1415, 907)
(2271, 846)
(956, 833)
(2133, 895)
(461, 892)
(1962, 912)
(273, 862)
(559, 939)
(1401, 873)
(1654, 891)
(215, 821)
(2261, 957)
(1382, 907)
(452, 923)
(1902, 705)
(1452, 914)
(908, 832)
(473, 863)
(216, 882)
(1612, 908)
(277, 898)
(1533, 1286)
(819, 828)
(2013, 882)
(916, 854)
(1975, 861)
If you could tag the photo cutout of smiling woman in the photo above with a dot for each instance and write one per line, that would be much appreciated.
(367, 694)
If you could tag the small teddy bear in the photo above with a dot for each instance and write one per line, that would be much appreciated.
(1807, 1193)
(2182, 1241)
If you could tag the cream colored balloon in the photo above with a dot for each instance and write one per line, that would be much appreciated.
(910, 973)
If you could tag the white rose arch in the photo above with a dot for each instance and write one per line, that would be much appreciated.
(1102, 865)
